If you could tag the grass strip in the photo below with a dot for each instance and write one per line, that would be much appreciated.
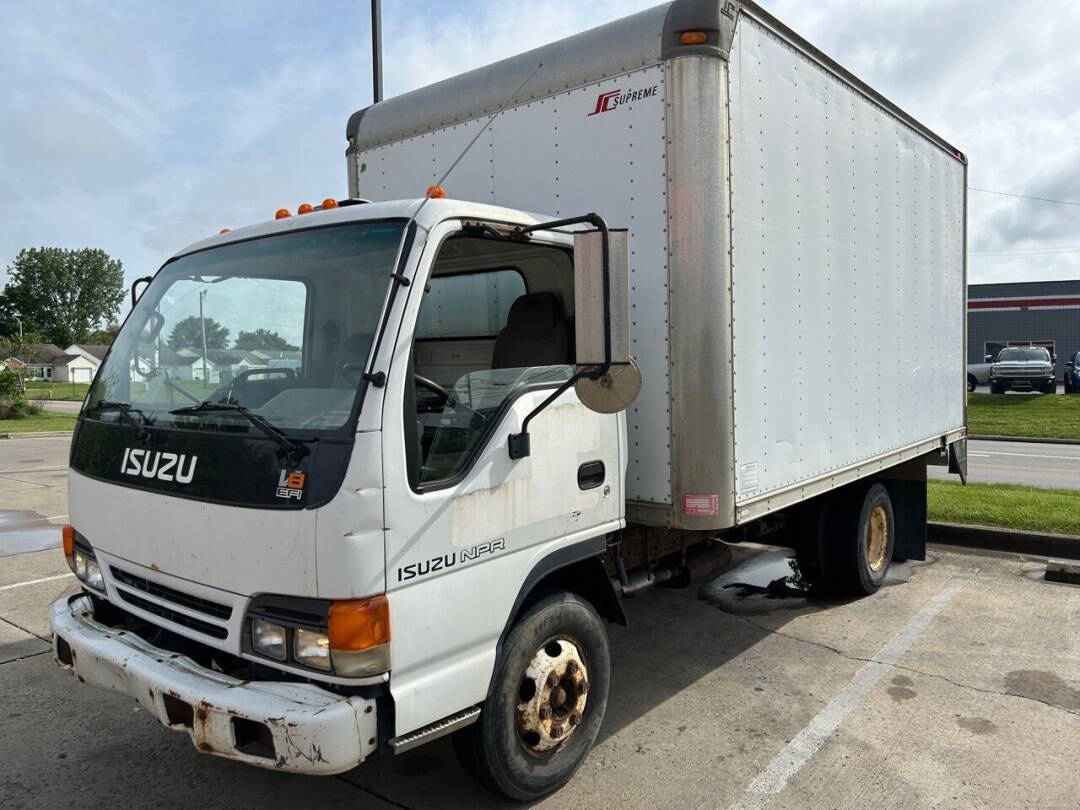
(1035, 416)
(1006, 506)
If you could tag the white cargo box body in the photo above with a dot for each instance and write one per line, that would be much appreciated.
(798, 261)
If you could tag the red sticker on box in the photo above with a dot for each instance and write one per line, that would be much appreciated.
(697, 504)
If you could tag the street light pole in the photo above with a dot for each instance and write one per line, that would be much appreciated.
(376, 49)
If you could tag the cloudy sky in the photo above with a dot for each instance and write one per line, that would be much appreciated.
(139, 127)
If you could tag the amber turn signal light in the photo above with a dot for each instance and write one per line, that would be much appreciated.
(359, 624)
(67, 536)
(693, 38)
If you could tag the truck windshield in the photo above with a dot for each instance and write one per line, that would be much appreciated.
(281, 326)
(1015, 355)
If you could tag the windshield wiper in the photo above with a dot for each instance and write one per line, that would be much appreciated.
(125, 410)
(294, 450)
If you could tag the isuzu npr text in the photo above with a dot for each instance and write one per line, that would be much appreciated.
(354, 479)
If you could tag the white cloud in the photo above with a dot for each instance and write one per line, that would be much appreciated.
(139, 128)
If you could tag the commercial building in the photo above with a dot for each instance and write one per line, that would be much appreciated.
(1024, 313)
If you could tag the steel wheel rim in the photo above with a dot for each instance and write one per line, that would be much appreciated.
(552, 695)
(877, 538)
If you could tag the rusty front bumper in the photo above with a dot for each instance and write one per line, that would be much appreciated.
(286, 726)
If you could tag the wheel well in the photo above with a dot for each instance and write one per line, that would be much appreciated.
(588, 579)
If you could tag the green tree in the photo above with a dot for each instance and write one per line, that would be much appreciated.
(263, 339)
(63, 294)
(103, 337)
(187, 334)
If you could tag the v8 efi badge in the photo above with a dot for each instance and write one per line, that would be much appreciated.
(291, 485)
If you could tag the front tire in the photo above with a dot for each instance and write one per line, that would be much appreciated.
(547, 701)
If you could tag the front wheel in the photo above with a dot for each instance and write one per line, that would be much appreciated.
(546, 703)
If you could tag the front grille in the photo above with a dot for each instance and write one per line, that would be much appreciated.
(214, 609)
(173, 616)
(1021, 371)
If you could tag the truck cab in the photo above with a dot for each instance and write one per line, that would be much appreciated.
(295, 524)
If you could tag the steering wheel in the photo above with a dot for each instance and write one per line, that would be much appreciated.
(442, 396)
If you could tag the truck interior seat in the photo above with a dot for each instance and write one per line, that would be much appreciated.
(537, 333)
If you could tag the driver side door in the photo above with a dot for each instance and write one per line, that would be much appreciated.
(465, 524)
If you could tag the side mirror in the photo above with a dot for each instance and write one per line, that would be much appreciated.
(1053, 358)
(610, 380)
(606, 378)
(1070, 364)
(988, 358)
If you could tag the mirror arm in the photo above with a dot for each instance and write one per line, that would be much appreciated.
(597, 222)
(519, 442)
(135, 284)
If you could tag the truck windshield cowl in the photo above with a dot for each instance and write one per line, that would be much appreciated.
(270, 329)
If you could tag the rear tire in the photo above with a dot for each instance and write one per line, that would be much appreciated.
(972, 383)
(866, 527)
(538, 723)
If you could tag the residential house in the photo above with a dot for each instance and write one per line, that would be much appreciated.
(47, 361)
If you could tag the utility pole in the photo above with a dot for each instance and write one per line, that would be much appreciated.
(202, 323)
(376, 49)
(26, 354)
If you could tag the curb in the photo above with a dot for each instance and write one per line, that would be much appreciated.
(39, 434)
(1014, 541)
(1028, 439)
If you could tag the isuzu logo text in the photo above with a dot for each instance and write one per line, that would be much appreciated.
(163, 466)
(606, 102)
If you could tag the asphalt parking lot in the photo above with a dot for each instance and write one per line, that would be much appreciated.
(957, 685)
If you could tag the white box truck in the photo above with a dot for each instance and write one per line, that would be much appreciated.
(356, 478)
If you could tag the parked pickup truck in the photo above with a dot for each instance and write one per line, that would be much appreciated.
(1023, 368)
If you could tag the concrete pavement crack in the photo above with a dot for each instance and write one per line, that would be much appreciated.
(902, 667)
(24, 657)
(28, 632)
(378, 796)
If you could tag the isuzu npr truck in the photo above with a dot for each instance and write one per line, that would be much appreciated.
(678, 278)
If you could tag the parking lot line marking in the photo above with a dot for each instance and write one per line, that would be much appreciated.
(34, 582)
(774, 777)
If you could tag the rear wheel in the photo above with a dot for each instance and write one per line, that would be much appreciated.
(546, 703)
(867, 535)
(971, 382)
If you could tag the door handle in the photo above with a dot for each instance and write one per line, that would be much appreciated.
(590, 475)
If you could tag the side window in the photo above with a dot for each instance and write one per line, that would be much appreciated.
(481, 337)
(469, 304)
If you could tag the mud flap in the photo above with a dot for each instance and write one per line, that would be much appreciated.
(958, 459)
(909, 507)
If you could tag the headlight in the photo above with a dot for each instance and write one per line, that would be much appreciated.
(268, 639)
(349, 638)
(82, 562)
(311, 648)
(93, 574)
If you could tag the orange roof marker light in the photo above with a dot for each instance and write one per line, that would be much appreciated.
(436, 192)
(282, 213)
(329, 202)
(223, 231)
(305, 208)
(693, 38)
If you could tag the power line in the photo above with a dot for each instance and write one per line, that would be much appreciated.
(1023, 196)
